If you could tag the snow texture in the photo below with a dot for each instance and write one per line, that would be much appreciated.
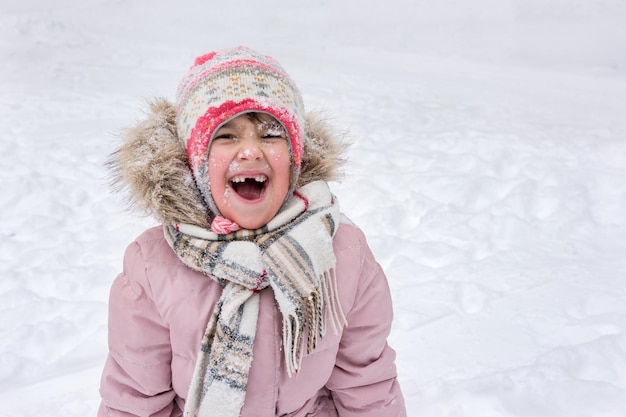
(488, 171)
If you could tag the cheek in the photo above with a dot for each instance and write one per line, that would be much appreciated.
(274, 153)
(279, 154)
(216, 159)
(217, 166)
(281, 164)
(218, 162)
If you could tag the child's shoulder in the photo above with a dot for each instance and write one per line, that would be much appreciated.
(151, 235)
(348, 235)
(152, 244)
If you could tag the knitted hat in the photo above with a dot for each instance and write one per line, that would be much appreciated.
(224, 84)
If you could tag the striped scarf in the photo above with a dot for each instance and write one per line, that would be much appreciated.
(293, 254)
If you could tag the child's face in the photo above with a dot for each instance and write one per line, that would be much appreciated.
(249, 169)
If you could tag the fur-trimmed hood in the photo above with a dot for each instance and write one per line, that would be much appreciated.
(151, 166)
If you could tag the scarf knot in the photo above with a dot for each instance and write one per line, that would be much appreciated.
(261, 283)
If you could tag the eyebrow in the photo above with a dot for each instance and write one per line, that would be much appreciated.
(227, 124)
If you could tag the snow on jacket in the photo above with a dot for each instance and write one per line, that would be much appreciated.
(159, 308)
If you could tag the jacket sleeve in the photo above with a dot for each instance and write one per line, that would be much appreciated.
(364, 380)
(136, 380)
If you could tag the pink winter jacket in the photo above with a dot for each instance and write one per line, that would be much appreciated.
(158, 312)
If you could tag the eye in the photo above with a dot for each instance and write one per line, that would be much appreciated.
(273, 135)
(225, 136)
(273, 132)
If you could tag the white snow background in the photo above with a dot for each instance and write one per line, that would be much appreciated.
(488, 170)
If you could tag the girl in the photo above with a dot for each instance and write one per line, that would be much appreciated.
(255, 297)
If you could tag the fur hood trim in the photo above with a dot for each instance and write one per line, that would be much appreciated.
(152, 169)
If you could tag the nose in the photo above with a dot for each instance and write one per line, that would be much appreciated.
(250, 149)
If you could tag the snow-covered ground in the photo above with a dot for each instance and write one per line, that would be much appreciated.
(488, 170)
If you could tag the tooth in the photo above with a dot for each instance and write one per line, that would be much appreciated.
(258, 178)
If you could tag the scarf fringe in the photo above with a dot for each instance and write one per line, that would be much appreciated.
(331, 299)
(293, 337)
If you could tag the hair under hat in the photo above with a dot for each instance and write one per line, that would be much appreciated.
(224, 84)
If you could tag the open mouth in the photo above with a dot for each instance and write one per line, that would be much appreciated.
(249, 188)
